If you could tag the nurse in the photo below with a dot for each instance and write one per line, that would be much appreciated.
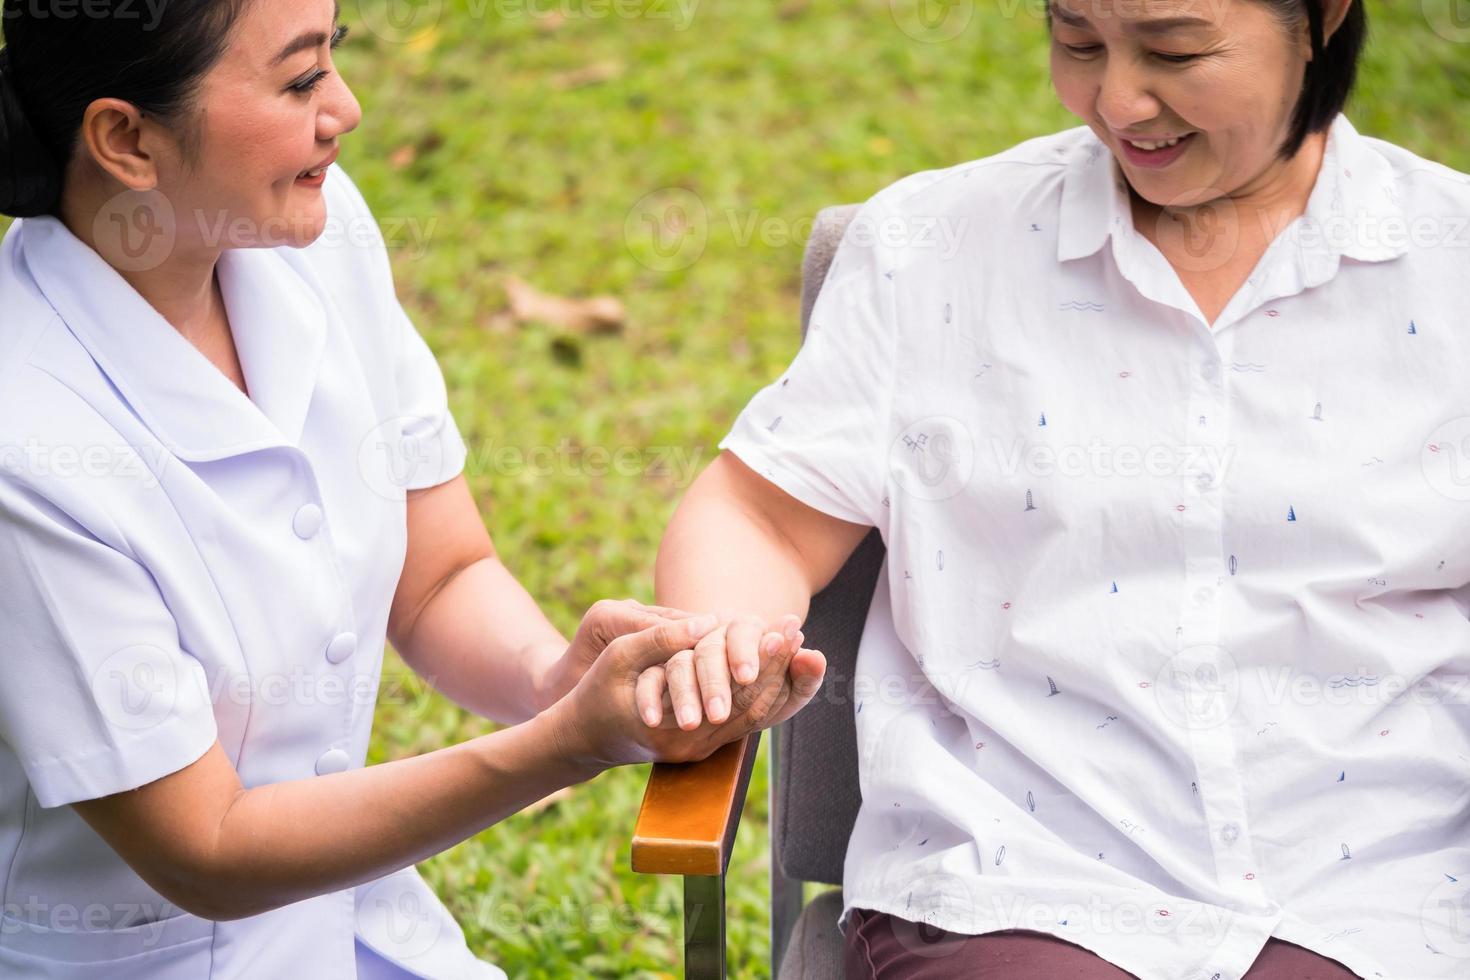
(228, 473)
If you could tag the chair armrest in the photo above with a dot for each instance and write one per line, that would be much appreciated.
(691, 811)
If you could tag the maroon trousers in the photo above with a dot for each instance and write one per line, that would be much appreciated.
(879, 946)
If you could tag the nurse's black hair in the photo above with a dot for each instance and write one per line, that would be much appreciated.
(1330, 74)
(60, 58)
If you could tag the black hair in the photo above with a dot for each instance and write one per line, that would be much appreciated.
(1330, 74)
(58, 60)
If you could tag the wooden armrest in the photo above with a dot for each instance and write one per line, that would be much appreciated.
(691, 811)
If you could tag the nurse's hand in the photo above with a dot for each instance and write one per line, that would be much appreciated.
(598, 724)
(605, 621)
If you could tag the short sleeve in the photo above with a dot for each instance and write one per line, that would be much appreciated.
(431, 439)
(429, 449)
(96, 694)
(820, 432)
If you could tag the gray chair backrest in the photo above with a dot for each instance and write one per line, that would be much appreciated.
(816, 788)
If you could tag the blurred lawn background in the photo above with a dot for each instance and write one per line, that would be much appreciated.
(522, 138)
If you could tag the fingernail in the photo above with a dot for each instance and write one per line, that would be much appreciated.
(650, 717)
(716, 707)
(771, 644)
(800, 639)
(687, 716)
(791, 628)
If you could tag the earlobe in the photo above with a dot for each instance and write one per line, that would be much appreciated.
(112, 134)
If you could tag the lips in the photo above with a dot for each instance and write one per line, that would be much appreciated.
(320, 168)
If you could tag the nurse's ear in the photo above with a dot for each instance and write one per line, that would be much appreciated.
(124, 142)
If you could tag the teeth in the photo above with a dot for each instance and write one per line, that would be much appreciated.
(1155, 146)
(314, 173)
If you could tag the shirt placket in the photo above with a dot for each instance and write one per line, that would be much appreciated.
(1203, 668)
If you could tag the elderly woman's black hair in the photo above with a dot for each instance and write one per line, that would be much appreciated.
(53, 66)
(1332, 72)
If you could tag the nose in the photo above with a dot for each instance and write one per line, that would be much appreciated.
(340, 112)
(1124, 100)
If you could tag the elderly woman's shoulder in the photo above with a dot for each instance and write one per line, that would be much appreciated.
(1414, 173)
(1011, 182)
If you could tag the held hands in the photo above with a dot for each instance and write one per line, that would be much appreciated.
(617, 713)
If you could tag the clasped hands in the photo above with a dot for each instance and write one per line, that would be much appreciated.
(654, 684)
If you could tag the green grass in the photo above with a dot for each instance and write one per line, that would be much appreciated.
(767, 112)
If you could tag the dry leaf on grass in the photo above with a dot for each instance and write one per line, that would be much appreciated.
(599, 314)
(593, 74)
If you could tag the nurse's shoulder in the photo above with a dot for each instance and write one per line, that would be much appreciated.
(58, 440)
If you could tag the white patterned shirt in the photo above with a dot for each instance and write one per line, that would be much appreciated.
(1170, 651)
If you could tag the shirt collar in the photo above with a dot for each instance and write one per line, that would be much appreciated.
(278, 319)
(1352, 211)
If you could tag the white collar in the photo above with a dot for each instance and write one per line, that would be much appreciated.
(278, 314)
(1355, 188)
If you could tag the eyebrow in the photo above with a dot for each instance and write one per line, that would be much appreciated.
(309, 40)
(1160, 25)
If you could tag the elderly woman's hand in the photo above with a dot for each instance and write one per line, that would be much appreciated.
(599, 724)
(697, 684)
(605, 621)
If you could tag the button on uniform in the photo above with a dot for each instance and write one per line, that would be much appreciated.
(1230, 832)
(343, 645)
(1204, 595)
(307, 522)
(332, 760)
(1209, 371)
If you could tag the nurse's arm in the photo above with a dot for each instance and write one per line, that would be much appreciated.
(221, 851)
(459, 617)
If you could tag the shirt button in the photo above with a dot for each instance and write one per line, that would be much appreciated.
(1206, 480)
(1229, 833)
(343, 645)
(1204, 595)
(332, 760)
(1208, 371)
(307, 522)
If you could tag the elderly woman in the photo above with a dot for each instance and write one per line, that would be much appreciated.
(229, 472)
(1165, 676)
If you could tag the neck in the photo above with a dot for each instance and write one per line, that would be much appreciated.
(181, 286)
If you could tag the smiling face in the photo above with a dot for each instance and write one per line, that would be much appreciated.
(271, 112)
(1223, 76)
